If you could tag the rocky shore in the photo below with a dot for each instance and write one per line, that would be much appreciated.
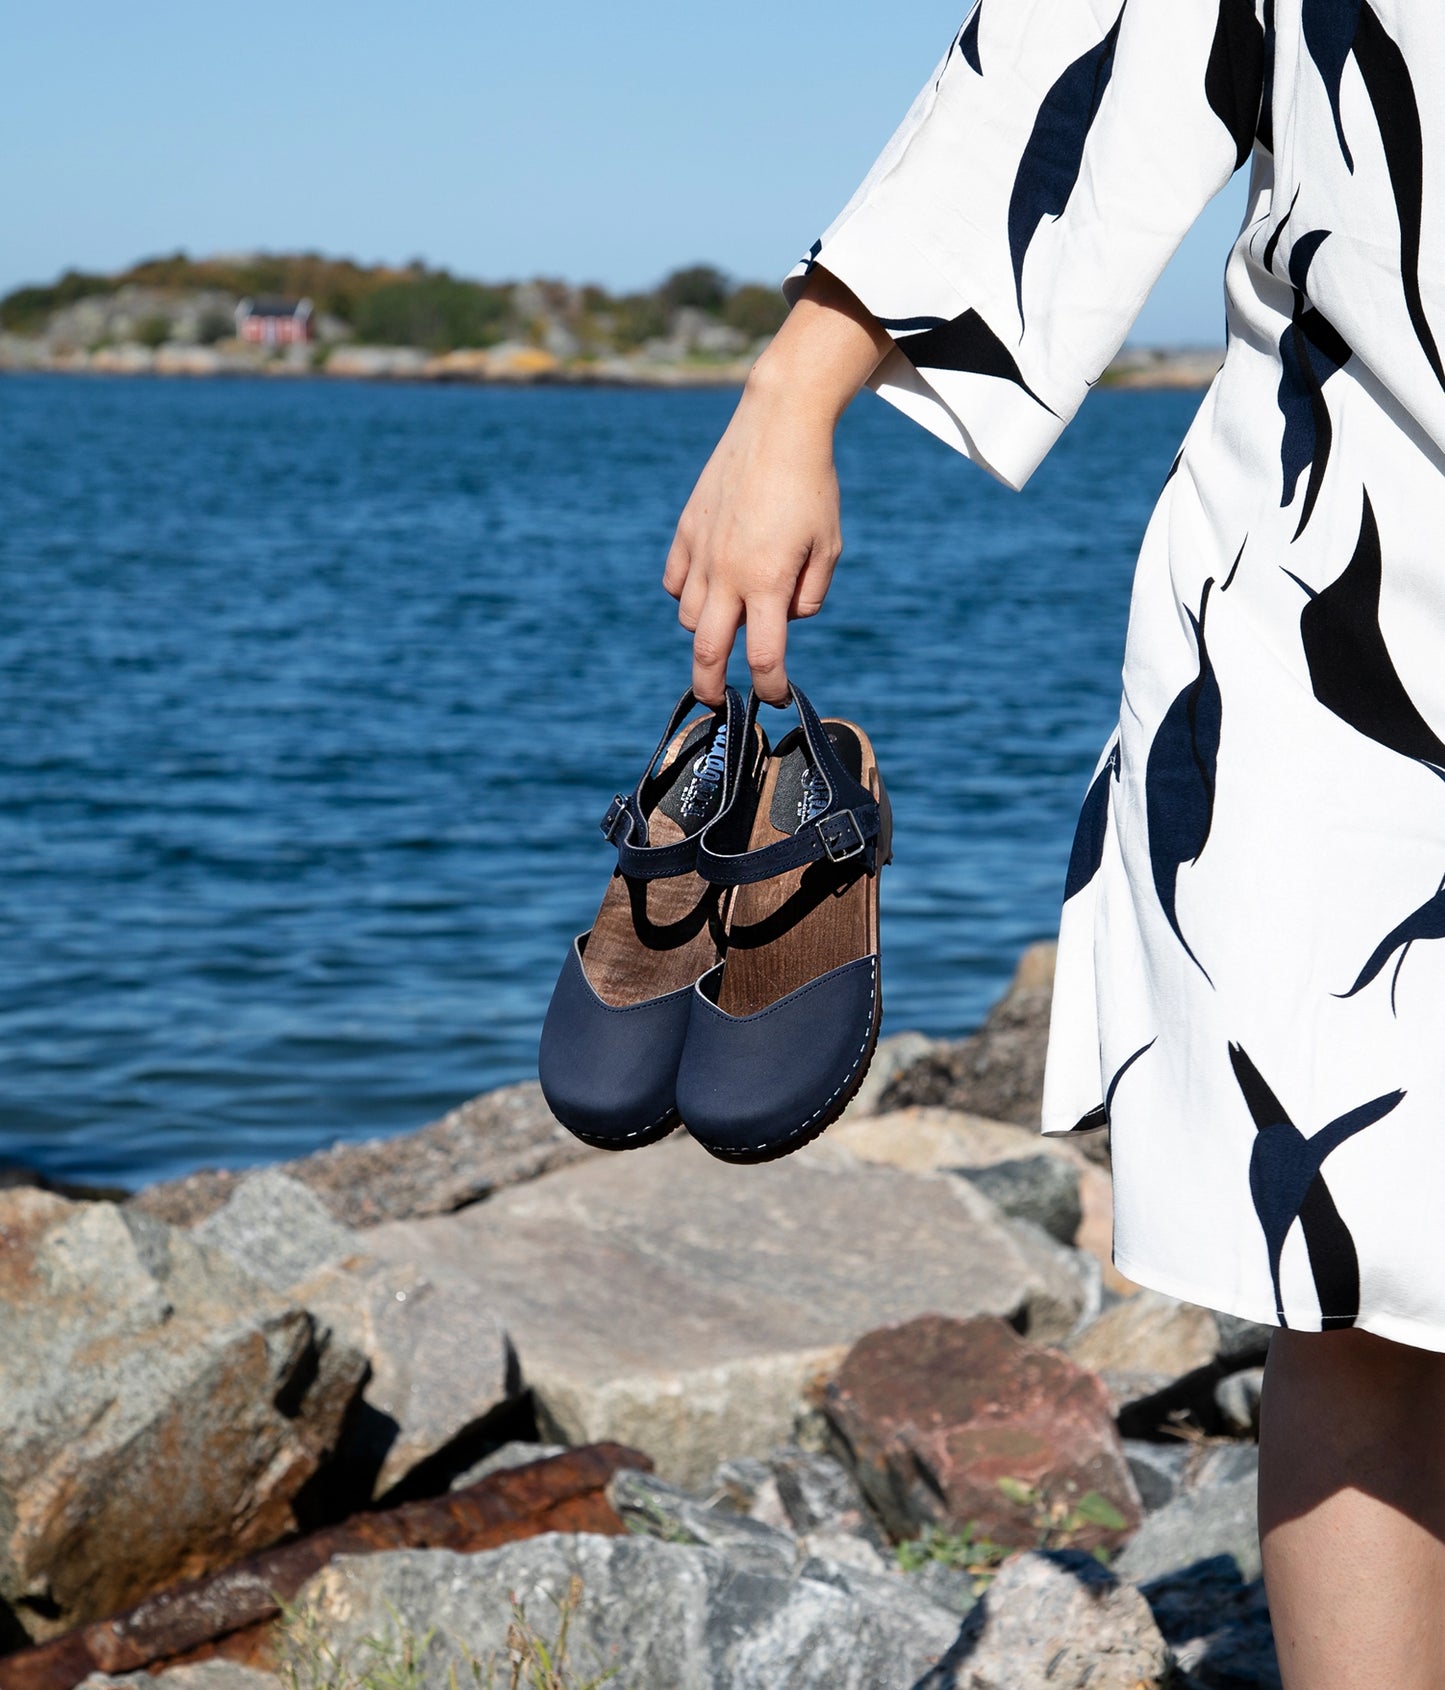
(508, 365)
(479, 1405)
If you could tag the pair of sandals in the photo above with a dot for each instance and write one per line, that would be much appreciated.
(731, 979)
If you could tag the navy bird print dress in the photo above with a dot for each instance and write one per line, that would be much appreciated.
(1251, 971)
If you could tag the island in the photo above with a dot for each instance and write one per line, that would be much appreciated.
(302, 314)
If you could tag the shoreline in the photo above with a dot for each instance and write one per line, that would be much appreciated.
(1133, 370)
(272, 1396)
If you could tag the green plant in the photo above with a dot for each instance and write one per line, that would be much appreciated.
(536, 1664)
(1056, 1519)
(1060, 1518)
(966, 1551)
(307, 1660)
(153, 331)
(658, 1522)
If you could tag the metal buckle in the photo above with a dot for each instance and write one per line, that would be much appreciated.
(839, 846)
(616, 810)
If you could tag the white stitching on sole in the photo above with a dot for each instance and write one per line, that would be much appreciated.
(780, 1144)
(637, 1132)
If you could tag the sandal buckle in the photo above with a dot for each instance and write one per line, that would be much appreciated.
(841, 836)
(610, 823)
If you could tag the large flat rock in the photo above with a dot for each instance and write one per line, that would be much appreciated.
(660, 1616)
(670, 1301)
(922, 1138)
(439, 1362)
(493, 1141)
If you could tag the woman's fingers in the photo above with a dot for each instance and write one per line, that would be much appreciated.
(676, 571)
(712, 644)
(813, 583)
(691, 599)
(714, 607)
(767, 641)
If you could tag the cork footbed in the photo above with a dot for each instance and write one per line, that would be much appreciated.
(784, 932)
(652, 937)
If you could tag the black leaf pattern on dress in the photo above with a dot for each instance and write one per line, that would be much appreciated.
(1272, 244)
(1179, 779)
(1350, 667)
(1427, 922)
(1088, 847)
(1054, 152)
(1100, 1114)
(1173, 469)
(1311, 349)
(964, 342)
(1224, 585)
(1264, 132)
(1287, 1184)
(968, 39)
(1234, 76)
(1392, 94)
(1329, 30)
(1333, 29)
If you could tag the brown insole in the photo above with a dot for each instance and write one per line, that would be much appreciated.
(788, 930)
(657, 936)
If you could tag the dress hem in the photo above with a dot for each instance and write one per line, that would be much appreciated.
(1399, 1329)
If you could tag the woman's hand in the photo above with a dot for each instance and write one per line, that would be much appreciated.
(757, 540)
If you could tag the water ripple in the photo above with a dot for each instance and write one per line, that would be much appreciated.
(310, 696)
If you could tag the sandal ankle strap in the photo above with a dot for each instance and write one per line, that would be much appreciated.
(625, 823)
(848, 825)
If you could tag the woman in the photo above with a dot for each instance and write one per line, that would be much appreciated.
(1251, 983)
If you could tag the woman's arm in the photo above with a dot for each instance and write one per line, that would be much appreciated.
(758, 538)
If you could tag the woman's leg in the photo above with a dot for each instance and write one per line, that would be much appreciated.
(1352, 1511)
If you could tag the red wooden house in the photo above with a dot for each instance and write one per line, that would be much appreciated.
(274, 322)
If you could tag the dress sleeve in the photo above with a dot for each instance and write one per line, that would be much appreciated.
(1010, 231)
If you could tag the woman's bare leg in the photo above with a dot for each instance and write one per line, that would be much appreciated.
(1352, 1511)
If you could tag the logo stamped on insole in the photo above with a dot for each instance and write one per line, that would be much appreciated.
(813, 798)
(701, 792)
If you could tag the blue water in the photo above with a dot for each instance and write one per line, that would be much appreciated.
(311, 696)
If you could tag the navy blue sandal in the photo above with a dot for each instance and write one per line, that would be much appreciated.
(614, 1030)
(781, 1032)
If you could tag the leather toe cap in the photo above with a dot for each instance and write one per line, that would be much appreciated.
(609, 1071)
(755, 1085)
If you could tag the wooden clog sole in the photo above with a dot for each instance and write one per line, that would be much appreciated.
(783, 932)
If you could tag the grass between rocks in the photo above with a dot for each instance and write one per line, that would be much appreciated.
(1058, 1521)
(307, 1660)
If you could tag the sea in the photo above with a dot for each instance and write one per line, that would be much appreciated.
(312, 694)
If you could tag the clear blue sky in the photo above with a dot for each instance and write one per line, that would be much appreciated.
(595, 142)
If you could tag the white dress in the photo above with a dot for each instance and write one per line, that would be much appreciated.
(1251, 973)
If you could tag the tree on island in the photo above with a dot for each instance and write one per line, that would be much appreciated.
(414, 305)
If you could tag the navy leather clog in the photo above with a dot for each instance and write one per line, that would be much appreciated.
(614, 1030)
(781, 1032)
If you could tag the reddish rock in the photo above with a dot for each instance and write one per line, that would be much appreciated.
(231, 1612)
(937, 1412)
